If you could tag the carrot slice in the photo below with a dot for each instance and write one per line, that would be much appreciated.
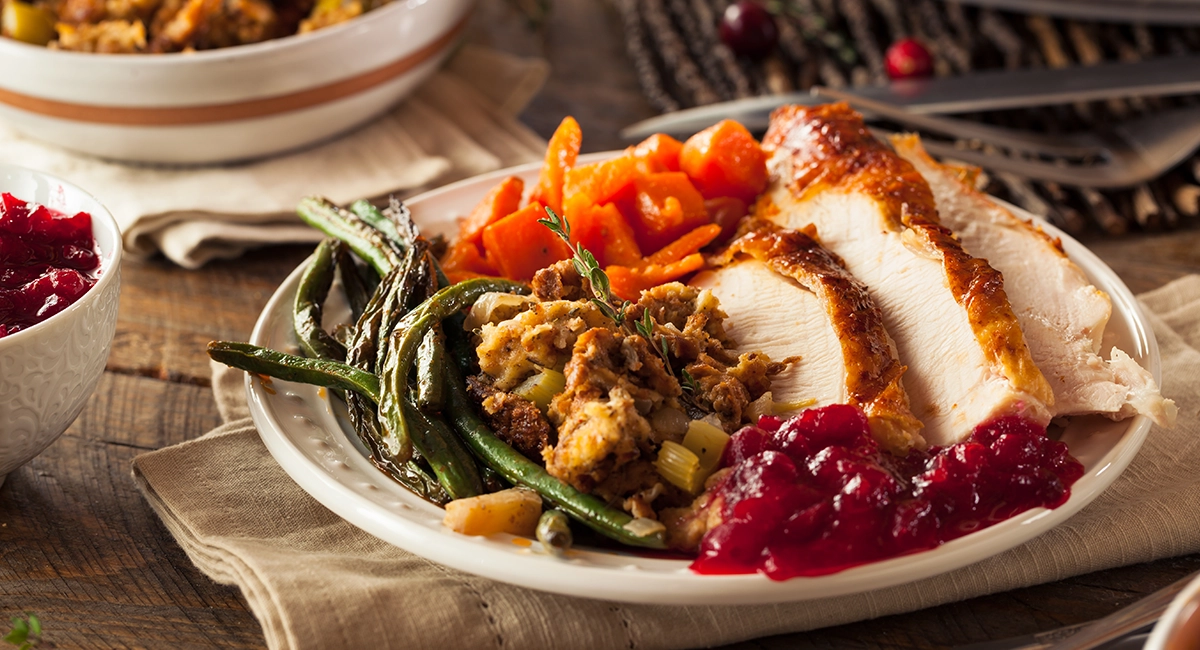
(602, 182)
(660, 150)
(629, 283)
(725, 160)
(666, 206)
(503, 200)
(685, 245)
(603, 231)
(520, 246)
(465, 255)
(561, 155)
(726, 212)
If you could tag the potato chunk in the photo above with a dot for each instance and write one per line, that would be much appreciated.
(515, 511)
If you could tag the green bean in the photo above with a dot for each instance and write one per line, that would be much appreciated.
(519, 470)
(554, 532)
(288, 367)
(390, 226)
(403, 348)
(431, 371)
(364, 240)
(450, 460)
(366, 211)
(310, 296)
(358, 290)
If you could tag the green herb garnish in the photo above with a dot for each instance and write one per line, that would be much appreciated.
(26, 633)
(587, 267)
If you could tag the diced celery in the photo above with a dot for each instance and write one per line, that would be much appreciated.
(764, 405)
(707, 443)
(680, 466)
(26, 22)
(542, 387)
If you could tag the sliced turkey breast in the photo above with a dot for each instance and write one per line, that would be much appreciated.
(788, 296)
(1061, 314)
(946, 310)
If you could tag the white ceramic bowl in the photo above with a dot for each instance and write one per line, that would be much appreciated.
(1169, 632)
(48, 371)
(227, 104)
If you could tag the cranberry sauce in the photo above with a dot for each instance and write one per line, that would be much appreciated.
(815, 494)
(47, 262)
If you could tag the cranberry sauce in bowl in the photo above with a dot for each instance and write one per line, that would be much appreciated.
(815, 495)
(48, 260)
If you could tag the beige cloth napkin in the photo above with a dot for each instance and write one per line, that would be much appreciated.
(459, 123)
(315, 581)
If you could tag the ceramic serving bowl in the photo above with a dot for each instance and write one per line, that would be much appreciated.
(227, 104)
(48, 371)
(1179, 627)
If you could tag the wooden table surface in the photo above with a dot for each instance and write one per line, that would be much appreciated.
(80, 547)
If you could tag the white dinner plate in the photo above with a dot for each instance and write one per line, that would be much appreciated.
(312, 441)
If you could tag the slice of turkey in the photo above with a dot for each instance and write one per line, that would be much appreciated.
(947, 311)
(1062, 315)
(788, 296)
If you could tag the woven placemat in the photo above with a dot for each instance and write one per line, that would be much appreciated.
(681, 62)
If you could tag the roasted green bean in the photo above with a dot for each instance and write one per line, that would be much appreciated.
(431, 371)
(554, 532)
(310, 296)
(447, 456)
(366, 211)
(409, 332)
(358, 290)
(289, 367)
(365, 241)
(517, 469)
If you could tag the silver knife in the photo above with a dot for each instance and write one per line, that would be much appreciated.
(982, 91)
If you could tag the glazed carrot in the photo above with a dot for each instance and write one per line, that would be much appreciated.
(661, 150)
(519, 246)
(684, 246)
(503, 200)
(603, 182)
(665, 207)
(726, 212)
(725, 160)
(603, 231)
(629, 283)
(465, 255)
(561, 155)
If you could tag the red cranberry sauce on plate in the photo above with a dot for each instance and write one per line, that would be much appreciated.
(815, 495)
(48, 260)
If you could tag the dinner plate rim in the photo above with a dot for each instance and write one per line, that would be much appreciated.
(321, 466)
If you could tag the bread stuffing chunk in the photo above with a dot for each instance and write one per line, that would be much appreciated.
(619, 398)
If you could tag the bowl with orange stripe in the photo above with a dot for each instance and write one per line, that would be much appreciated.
(229, 104)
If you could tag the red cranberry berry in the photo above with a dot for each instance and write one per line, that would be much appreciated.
(908, 59)
(749, 30)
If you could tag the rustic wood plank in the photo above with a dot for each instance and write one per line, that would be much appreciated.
(80, 546)
(1147, 262)
(168, 314)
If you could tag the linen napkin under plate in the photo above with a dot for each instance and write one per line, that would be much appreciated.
(459, 123)
(315, 581)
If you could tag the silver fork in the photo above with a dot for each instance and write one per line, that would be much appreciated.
(1128, 154)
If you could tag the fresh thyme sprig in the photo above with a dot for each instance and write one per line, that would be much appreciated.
(586, 265)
